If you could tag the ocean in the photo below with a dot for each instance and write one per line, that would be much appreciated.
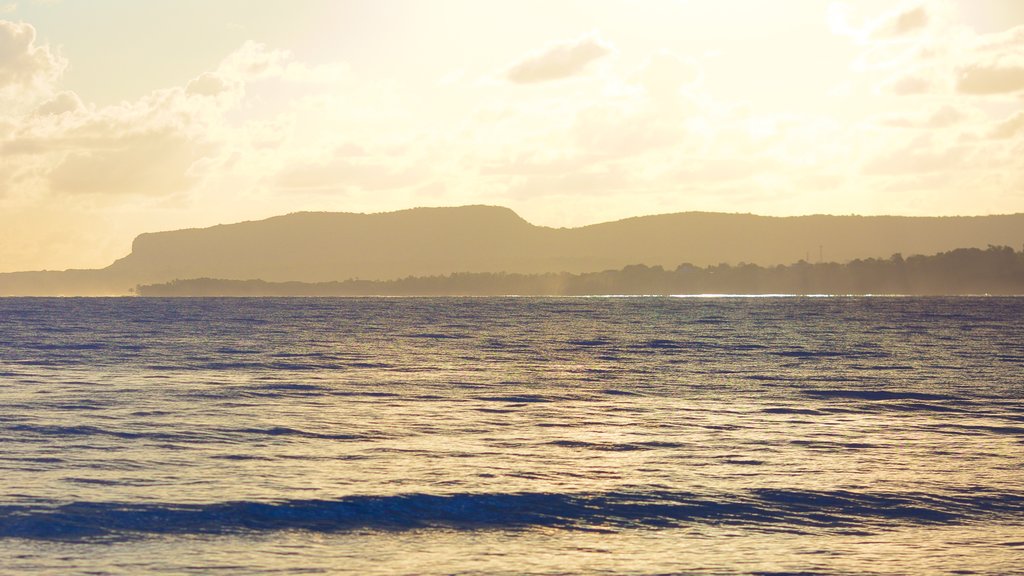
(646, 435)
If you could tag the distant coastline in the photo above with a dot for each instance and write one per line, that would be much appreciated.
(997, 270)
(486, 250)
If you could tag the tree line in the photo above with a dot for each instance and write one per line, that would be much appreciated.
(997, 270)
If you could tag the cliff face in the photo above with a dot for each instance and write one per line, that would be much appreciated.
(316, 247)
(321, 247)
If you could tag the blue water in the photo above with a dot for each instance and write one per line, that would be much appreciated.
(512, 436)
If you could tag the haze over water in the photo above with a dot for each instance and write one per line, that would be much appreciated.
(512, 435)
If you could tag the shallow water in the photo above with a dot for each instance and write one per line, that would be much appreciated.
(512, 435)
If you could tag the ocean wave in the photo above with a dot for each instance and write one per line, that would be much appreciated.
(880, 395)
(208, 435)
(766, 509)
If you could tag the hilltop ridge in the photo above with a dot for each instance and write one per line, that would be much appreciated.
(337, 246)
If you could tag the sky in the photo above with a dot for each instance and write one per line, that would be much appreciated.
(119, 117)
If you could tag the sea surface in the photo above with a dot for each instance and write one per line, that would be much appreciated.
(786, 435)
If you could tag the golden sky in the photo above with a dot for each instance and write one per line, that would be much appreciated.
(119, 117)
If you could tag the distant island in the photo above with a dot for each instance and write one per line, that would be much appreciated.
(997, 270)
(495, 247)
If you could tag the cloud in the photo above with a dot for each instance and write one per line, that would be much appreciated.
(172, 142)
(149, 163)
(983, 80)
(535, 163)
(253, 61)
(650, 112)
(1002, 41)
(596, 180)
(901, 23)
(665, 73)
(62, 103)
(715, 170)
(208, 84)
(918, 157)
(945, 116)
(345, 173)
(558, 61)
(1009, 128)
(626, 131)
(22, 63)
(908, 85)
(947, 57)
(940, 118)
(995, 64)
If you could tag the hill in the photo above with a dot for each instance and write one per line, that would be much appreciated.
(324, 247)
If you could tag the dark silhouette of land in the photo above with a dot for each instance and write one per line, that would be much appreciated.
(996, 270)
(425, 242)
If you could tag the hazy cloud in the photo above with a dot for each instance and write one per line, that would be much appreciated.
(599, 179)
(151, 163)
(716, 170)
(558, 61)
(1002, 41)
(982, 79)
(536, 164)
(995, 64)
(665, 73)
(208, 84)
(940, 118)
(165, 143)
(341, 173)
(908, 85)
(901, 23)
(254, 60)
(625, 131)
(945, 116)
(946, 57)
(21, 61)
(915, 158)
(62, 103)
(1010, 127)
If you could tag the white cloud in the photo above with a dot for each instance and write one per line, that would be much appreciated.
(207, 84)
(253, 61)
(558, 61)
(22, 62)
